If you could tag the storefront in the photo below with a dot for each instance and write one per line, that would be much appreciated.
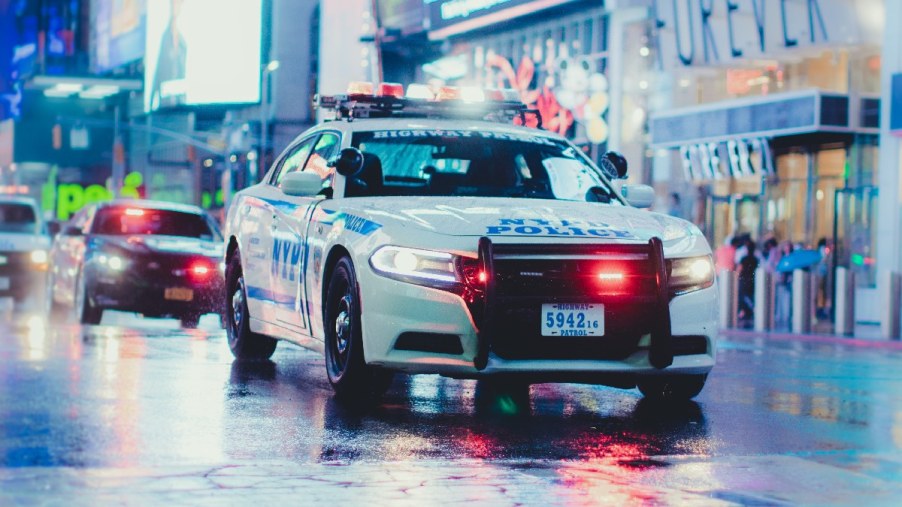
(767, 121)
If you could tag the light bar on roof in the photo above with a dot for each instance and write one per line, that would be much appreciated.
(395, 90)
(360, 88)
(419, 91)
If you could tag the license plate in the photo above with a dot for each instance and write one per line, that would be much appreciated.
(178, 294)
(564, 319)
(4, 283)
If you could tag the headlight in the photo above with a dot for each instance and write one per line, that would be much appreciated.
(111, 262)
(412, 265)
(39, 257)
(691, 274)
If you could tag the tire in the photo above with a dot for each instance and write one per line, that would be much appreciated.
(244, 344)
(190, 320)
(85, 311)
(672, 387)
(55, 311)
(348, 372)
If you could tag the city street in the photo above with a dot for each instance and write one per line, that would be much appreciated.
(140, 411)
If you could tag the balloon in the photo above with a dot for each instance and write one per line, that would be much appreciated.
(599, 102)
(597, 131)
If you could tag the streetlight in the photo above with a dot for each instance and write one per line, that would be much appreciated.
(268, 69)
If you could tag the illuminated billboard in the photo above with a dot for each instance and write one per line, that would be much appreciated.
(202, 52)
(452, 17)
(117, 32)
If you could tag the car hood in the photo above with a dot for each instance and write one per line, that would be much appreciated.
(517, 220)
(10, 242)
(144, 244)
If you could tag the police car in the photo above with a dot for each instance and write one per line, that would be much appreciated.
(432, 235)
(24, 244)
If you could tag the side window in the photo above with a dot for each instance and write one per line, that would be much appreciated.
(294, 161)
(325, 149)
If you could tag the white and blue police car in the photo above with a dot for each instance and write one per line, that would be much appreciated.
(435, 236)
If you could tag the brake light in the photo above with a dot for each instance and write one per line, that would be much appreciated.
(134, 212)
(201, 270)
(609, 276)
(395, 90)
(482, 276)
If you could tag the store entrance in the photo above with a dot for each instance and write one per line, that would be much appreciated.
(854, 223)
(733, 215)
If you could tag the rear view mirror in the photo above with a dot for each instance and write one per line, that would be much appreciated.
(638, 196)
(301, 184)
(348, 163)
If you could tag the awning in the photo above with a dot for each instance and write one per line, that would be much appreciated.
(784, 114)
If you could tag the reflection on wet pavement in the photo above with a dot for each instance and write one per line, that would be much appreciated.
(110, 407)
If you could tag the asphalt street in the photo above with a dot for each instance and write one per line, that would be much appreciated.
(141, 412)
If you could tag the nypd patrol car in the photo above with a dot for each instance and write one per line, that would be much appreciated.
(435, 236)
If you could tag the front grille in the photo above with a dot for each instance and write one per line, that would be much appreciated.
(629, 280)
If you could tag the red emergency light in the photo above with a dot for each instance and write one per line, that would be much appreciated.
(395, 90)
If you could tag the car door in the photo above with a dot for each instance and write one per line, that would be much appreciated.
(264, 248)
(67, 255)
(290, 232)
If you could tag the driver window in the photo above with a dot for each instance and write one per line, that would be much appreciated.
(325, 149)
(294, 161)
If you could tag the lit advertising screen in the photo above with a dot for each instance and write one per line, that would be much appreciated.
(451, 17)
(118, 33)
(202, 52)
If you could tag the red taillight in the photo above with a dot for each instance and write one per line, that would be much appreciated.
(201, 270)
(610, 276)
(134, 212)
(482, 277)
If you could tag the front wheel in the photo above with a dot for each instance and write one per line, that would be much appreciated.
(244, 343)
(672, 387)
(348, 372)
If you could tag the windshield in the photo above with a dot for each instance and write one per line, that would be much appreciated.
(466, 163)
(139, 221)
(17, 218)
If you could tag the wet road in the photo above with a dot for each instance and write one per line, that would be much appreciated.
(141, 412)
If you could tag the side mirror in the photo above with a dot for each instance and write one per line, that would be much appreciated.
(301, 184)
(614, 164)
(348, 163)
(638, 196)
(71, 230)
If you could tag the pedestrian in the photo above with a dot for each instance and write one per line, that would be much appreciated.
(676, 205)
(724, 256)
(822, 272)
(746, 291)
(783, 290)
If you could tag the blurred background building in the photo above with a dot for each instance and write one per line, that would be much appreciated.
(766, 118)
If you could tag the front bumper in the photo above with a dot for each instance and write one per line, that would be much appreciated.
(424, 330)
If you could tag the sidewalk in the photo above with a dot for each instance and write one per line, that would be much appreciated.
(866, 335)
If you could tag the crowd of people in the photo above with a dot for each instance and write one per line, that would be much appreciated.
(742, 254)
